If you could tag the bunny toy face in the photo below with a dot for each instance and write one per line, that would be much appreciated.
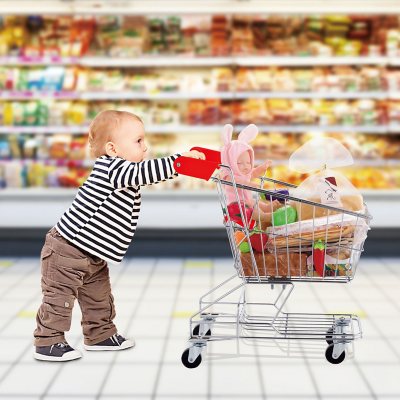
(238, 154)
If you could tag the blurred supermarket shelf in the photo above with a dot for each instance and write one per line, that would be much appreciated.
(17, 193)
(99, 7)
(192, 61)
(212, 129)
(194, 209)
(61, 162)
(132, 95)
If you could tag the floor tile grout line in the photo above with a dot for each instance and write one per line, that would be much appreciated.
(388, 267)
(382, 291)
(361, 373)
(14, 364)
(62, 366)
(260, 374)
(259, 369)
(298, 363)
(376, 327)
(168, 332)
(209, 362)
(18, 282)
(307, 364)
(135, 310)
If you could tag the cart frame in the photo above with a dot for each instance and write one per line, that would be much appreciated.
(235, 311)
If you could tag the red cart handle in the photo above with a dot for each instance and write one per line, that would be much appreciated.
(196, 168)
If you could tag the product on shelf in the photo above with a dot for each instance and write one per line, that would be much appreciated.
(220, 45)
(218, 35)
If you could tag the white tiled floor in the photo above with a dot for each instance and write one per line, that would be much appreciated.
(154, 299)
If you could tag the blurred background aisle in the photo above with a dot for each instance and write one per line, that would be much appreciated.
(296, 70)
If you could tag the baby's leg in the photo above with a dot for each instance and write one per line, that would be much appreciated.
(59, 288)
(261, 217)
(97, 303)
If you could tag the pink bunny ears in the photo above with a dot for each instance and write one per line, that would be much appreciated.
(245, 136)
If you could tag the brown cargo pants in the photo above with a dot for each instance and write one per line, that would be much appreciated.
(69, 273)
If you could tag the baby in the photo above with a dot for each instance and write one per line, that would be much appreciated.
(239, 156)
(96, 229)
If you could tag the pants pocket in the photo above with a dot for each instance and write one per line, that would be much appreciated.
(46, 259)
(56, 312)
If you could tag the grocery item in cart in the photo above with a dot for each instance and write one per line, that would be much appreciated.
(327, 187)
(239, 156)
(274, 265)
(302, 234)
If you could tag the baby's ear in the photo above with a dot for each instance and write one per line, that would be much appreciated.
(227, 134)
(248, 133)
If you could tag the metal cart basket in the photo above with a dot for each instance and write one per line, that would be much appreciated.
(274, 254)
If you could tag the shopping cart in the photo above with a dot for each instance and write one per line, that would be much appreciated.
(325, 248)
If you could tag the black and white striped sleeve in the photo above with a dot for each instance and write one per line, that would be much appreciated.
(123, 173)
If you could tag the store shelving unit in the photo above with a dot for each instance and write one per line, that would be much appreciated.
(227, 7)
(48, 203)
(121, 95)
(210, 129)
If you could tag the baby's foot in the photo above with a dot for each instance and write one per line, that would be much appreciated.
(113, 343)
(56, 352)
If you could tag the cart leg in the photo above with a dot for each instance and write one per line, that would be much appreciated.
(204, 301)
(195, 350)
(282, 298)
(204, 326)
(336, 352)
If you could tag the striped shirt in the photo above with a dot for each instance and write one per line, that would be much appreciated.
(103, 216)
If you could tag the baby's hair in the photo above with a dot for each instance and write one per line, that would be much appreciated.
(103, 126)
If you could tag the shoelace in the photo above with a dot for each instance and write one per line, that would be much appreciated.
(118, 339)
(59, 345)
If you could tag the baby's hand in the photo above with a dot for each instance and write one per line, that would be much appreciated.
(267, 164)
(194, 154)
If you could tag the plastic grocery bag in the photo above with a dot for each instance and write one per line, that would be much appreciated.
(320, 153)
(327, 187)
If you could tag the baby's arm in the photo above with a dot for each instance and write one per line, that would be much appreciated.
(260, 170)
(125, 173)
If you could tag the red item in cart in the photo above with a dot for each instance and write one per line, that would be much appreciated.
(319, 257)
(236, 216)
(258, 241)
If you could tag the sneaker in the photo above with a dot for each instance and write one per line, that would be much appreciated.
(113, 343)
(56, 352)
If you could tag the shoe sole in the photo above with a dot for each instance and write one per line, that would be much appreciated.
(42, 357)
(109, 348)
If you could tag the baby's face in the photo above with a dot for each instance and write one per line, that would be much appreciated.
(129, 140)
(244, 163)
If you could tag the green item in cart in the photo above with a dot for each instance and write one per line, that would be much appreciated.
(244, 247)
(284, 215)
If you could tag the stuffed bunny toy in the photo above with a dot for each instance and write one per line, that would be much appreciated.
(239, 155)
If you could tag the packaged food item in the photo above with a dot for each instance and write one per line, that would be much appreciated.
(274, 265)
(327, 187)
(260, 34)
(78, 148)
(59, 146)
(242, 35)
(220, 41)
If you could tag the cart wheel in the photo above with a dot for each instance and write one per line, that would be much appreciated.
(329, 355)
(328, 336)
(196, 331)
(187, 363)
